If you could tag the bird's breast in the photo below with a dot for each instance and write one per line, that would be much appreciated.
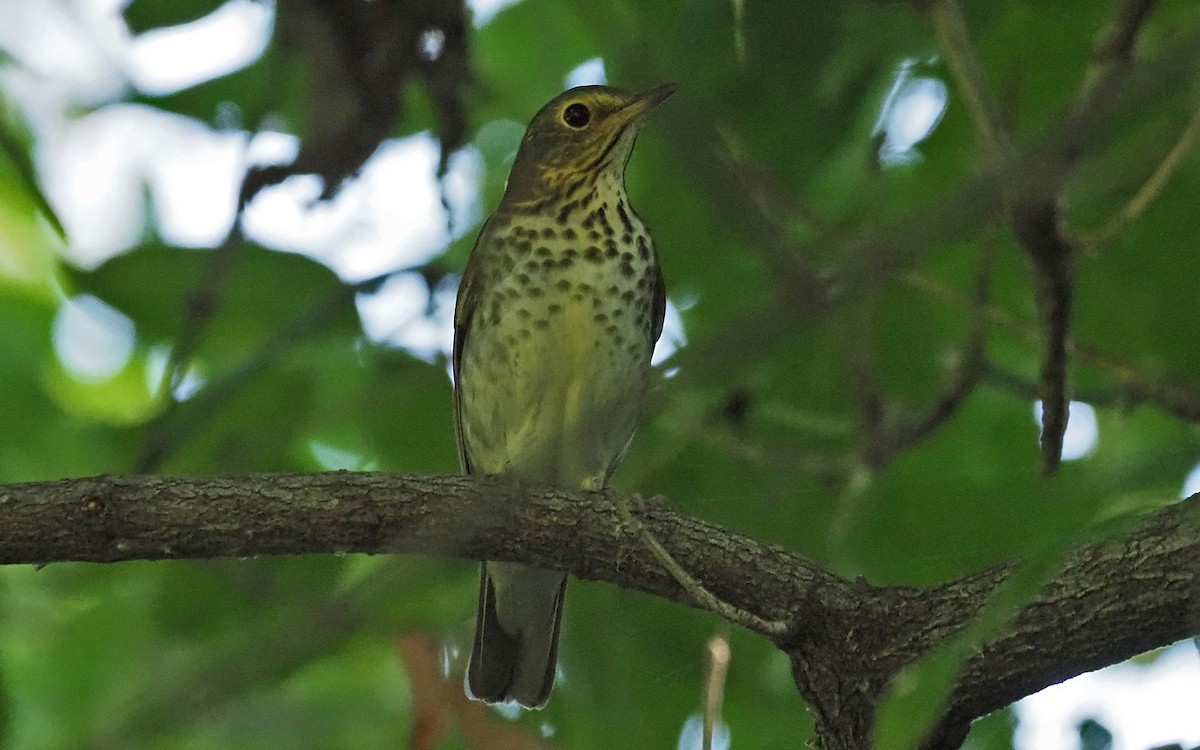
(557, 360)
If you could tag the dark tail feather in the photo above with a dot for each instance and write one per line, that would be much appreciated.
(516, 663)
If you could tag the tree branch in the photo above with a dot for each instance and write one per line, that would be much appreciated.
(112, 519)
(1157, 570)
(1146, 195)
(1038, 227)
(847, 639)
(951, 30)
(1164, 393)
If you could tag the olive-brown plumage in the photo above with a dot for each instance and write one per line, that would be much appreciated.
(560, 306)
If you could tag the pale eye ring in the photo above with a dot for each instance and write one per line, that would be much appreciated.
(577, 115)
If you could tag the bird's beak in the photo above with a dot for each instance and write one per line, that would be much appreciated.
(645, 102)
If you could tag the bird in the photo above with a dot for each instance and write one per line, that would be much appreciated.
(558, 310)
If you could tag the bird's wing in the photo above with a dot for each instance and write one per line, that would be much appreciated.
(464, 309)
(658, 310)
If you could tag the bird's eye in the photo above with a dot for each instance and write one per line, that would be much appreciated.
(577, 115)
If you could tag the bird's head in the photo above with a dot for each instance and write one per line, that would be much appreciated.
(581, 133)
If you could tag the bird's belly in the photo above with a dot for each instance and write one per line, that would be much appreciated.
(552, 387)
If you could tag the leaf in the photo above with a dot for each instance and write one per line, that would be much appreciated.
(144, 15)
(269, 93)
(917, 694)
(264, 291)
(16, 145)
(126, 398)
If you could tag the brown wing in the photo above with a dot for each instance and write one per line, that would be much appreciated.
(658, 308)
(464, 309)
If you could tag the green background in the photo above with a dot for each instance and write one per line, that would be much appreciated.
(803, 267)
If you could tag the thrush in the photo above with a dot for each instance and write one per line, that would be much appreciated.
(558, 311)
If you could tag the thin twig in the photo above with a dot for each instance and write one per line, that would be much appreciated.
(1141, 200)
(1172, 398)
(166, 433)
(202, 303)
(701, 596)
(768, 198)
(1002, 379)
(714, 687)
(739, 32)
(780, 248)
(956, 46)
(199, 307)
(1033, 200)
(1098, 96)
(1114, 46)
(966, 373)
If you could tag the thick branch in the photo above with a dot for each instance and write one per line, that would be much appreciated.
(111, 519)
(847, 639)
(1076, 625)
(1109, 601)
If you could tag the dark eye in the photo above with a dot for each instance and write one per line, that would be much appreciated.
(577, 115)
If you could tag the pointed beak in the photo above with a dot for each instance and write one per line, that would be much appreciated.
(655, 96)
(642, 104)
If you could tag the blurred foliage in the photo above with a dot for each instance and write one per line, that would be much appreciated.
(816, 283)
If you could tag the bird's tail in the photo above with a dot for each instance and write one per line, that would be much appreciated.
(516, 634)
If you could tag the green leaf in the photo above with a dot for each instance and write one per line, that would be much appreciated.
(16, 146)
(268, 93)
(126, 398)
(144, 15)
(263, 292)
(917, 694)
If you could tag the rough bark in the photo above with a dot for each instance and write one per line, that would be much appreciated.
(847, 639)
